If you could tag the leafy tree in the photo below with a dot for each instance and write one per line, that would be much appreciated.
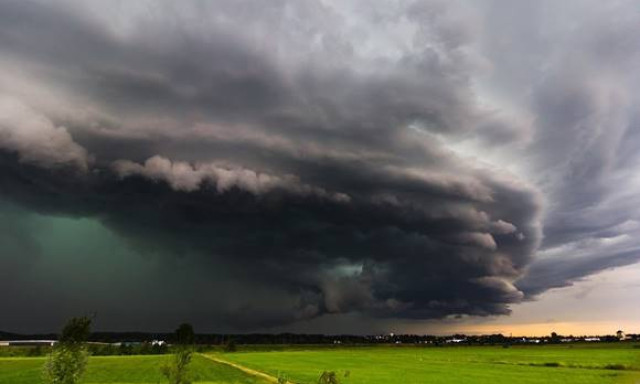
(176, 371)
(68, 359)
(76, 331)
(185, 335)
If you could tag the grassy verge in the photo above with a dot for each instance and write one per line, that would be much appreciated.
(124, 370)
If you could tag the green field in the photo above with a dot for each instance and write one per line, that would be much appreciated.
(123, 369)
(495, 365)
(579, 363)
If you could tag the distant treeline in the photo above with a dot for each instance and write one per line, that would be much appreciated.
(145, 341)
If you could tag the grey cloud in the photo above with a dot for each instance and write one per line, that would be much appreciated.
(36, 139)
(586, 117)
(312, 150)
(396, 258)
(183, 176)
(17, 244)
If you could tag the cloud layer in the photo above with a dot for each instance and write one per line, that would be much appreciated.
(406, 159)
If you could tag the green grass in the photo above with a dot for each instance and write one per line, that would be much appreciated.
(613, 363)
(578, 363)
(123, 369)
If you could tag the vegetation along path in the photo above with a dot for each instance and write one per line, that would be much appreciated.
(249, 371)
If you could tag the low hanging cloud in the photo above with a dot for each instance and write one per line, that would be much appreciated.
(36, 139)
(342, 157)
(182, 176)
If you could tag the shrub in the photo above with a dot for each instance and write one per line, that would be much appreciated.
(68, 359)
(282, 378)
(328, 378)
(176, 371)
(35, 351)
(230, 346)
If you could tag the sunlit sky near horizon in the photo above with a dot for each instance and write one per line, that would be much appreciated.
(361, 166)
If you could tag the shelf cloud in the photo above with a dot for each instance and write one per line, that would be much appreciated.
(404, 159)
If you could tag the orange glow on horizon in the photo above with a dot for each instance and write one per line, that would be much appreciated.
(544, 329)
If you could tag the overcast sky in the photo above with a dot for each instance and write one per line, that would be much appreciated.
(320, 166)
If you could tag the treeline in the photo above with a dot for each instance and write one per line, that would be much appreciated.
(98, 349)
(104, 343)
(69, 356)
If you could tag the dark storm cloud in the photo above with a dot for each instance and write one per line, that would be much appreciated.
(17, 244)
(337, 256)
(312, 150)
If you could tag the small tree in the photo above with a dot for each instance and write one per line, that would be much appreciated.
(68, 359)
(176, 371)
(185, 335)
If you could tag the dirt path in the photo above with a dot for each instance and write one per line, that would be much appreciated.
(249, 371)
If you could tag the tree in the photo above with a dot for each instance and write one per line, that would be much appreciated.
(176, 371)
(184, 334)
(68, 359)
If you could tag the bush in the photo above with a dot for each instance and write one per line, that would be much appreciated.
(177, 370)
(282, 378)
(68, 359)
(230, 346)
(66, 365)
(35, 351)
(328, 378)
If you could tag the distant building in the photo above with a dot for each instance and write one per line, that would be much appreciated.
(29, 343)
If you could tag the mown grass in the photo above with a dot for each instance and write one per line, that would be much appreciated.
(579, 363)
(124, 370)
(611, 363)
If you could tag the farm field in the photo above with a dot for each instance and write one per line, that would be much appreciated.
(613, 363)
(579, 363)
(124, 370)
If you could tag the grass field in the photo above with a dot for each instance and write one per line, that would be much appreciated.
(580, 363)
(614, 363)
(123, 369)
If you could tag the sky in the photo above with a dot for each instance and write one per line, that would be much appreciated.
(320, 166)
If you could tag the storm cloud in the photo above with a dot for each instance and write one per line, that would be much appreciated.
(293, 160)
